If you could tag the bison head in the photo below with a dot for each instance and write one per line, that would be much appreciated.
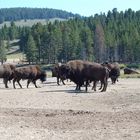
(43, 76)
(55, 71)
(64, 71)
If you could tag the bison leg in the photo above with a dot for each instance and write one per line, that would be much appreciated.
(63, 82)
(78, 87)
(16, 80)
(104, 85)
(104, 89)
(58, 81)
(5, 82)
(86, 86)
(101, 86)
(28, 82)
(19, 83)
(34, 82)
(14, 83)
(94, 85)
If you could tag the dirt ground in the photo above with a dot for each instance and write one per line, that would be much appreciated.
(54, 112)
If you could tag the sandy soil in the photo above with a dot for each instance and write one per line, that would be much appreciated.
(58, 113)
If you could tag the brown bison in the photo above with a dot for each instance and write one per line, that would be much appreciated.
(72, 70)
(7, 73)
(32, 73)
(114, 71)
(80, 71)
(56, 73)
(130, 71)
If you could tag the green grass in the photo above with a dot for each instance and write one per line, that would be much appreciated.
(49, 73)
(130, 76)
(17, 55)
(14, 52)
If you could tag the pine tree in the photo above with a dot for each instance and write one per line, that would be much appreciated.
(31, 51)
(2, 52)
(8, 44)
(87, 44)
(13, 31)
(99, 43)
(66, 55)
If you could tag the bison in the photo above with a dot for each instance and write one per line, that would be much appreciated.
(114, 71)
(32, 73)
(56, 73)
(72, 70)
(130, 71)
(7, 73)
(80, 71)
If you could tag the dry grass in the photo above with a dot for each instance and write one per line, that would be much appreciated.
(30, 22)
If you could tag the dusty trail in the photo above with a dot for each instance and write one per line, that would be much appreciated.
(58, 113)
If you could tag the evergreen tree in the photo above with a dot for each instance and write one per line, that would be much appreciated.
(56, 44)
(23, 38)
(2, 52)
(8, 44)
(66, 43)
(13, 31)
(112, 37)
(87, 44)
(99, 43)
(31, 50)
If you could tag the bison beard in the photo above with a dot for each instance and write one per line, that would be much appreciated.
(32, 73)
(80, 71)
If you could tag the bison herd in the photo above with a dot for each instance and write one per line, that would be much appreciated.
(32, 73)
(82, 73)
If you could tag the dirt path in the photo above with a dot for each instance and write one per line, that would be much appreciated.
(58, 113)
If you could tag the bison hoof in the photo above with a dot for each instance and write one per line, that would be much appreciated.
(103, 90)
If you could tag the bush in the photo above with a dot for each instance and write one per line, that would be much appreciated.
(122, 66)
(134, 66)
(47, 67)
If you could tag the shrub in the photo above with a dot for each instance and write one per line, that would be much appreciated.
(133, 65)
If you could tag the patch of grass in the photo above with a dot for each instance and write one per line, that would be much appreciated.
(30, 22)
(130, 76)
(122, 66)
(49, 73)
(122, 75)
(17, 55)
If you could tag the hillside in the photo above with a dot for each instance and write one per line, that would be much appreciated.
(14, 14)
(29, 22)
(13, 54)
(114, 36)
